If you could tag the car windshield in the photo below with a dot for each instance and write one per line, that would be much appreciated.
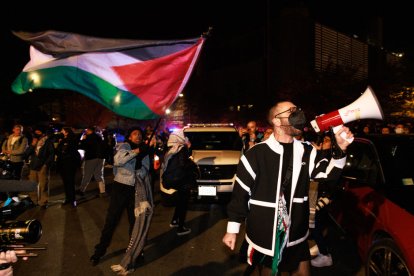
(362, 164)
(214, 140)
(385, 167)
(395, 158)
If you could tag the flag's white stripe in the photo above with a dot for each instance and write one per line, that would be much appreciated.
(190, 68)
(37, 58)
(98, 64)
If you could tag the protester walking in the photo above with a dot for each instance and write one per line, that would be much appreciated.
(179, 166)
(94, 146)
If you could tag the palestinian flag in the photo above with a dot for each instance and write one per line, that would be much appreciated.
(138, 79)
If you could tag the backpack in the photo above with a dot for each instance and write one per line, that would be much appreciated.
(174, 174)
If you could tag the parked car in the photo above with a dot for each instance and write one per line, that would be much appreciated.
(375, 204)
(216, 149)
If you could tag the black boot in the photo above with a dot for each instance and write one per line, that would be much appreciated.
(95, 258)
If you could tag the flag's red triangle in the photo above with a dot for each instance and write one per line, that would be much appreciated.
(157, 82)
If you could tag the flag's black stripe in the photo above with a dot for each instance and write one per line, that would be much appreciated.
(148, 53)
(61, 44)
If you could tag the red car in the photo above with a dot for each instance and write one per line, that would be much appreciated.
(375, 205)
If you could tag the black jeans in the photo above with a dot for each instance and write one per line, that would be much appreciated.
(122, 197)
(181, 207)
(321, 220)
(67, 171)
(17, 168)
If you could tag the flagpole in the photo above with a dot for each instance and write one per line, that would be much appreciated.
(155, 130)
(208, 33)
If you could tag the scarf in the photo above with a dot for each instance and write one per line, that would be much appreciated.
(40, 144)
(176, 142)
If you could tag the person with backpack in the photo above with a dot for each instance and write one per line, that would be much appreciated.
(177, 172)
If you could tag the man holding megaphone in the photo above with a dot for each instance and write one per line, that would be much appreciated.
(271, 194)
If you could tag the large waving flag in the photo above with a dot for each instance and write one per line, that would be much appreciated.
(138, 79)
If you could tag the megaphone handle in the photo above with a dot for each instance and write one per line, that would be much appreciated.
(343, 134)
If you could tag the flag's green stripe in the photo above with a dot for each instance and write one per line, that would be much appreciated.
(119, 101)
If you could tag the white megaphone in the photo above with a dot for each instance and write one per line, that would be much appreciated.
(365, 107)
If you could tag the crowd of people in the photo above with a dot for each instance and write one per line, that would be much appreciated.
(39, 150)
(282, 145)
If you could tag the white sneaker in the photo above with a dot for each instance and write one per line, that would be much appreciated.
(174, 224)
(322, 260)
(314, 250)
(183, 231)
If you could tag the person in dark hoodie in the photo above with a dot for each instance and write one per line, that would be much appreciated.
(93, 144)
(67, 163)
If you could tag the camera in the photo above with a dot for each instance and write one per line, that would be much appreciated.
(14, 231)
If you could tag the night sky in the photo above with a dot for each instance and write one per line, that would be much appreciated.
(184, 19)
(150, 21)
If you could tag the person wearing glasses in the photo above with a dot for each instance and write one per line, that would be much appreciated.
(271, 194)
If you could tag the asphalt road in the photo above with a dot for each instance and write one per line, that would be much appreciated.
(70, 235)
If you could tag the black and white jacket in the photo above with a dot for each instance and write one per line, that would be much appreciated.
(257, 188)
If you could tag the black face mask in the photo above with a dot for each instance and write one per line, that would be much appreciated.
(297, 119)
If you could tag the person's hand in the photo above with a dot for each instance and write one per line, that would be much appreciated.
(340, 140)
(153, 142)
(9, 257)
(34, 141)
(316, 146)
(142, 208)
(242, 131)
(136, 150)
(229, 239)
(188, 143)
